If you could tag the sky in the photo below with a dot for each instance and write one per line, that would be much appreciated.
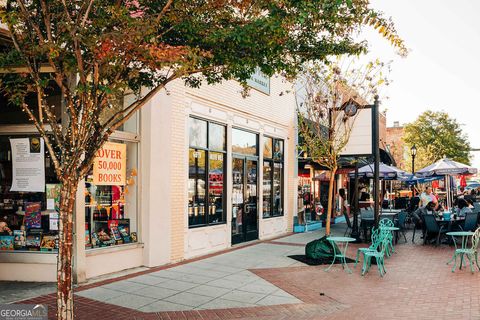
(442, 69)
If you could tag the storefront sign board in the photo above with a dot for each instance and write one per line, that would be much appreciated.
(28, 165)
(259, 81)
(109, 167)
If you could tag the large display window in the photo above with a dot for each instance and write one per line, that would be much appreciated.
(28, 195)
(111, 196)
(273, 172)
(206, 173)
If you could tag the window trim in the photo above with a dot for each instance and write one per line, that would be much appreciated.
(207, 172)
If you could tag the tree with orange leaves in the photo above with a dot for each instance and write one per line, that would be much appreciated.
(97, 50)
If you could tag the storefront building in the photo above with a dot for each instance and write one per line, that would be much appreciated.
(204, 169)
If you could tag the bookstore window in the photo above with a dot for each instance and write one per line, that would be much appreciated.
(273, 172)
(28, 195)
(206, 173)
(111, 196)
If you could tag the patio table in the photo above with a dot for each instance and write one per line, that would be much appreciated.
(450, 223)
(342, 255)
(464, 235)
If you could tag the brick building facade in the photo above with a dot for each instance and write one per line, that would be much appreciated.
(396, 145)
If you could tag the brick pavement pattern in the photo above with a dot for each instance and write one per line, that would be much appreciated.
(418, 285)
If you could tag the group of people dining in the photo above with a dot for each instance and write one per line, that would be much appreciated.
(429, 204)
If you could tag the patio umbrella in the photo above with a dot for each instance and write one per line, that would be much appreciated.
(386, 172)
(445, 167)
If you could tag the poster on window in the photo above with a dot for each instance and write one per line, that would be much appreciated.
(28, 165)
(109, 167)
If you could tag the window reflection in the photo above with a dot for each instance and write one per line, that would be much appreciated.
(198, 133)
(277, 189)
(278, 150)
(196, 186)
(267, 147)
(244, 142)
(216, 137)
(206, 161)
(267, 189)
(215, 187)
(273, 177)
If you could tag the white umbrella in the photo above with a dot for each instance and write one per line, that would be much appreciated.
(386, 172)
(446, 167)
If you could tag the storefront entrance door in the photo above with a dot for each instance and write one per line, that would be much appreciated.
(244, 200)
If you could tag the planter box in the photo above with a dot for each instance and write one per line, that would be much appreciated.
(299, 228)
(339, 219)
(314, 226)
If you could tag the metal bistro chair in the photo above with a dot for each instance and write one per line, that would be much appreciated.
(379, 256)
(387, 222)
(431, 226)
(373, 247)
(471, 253)
(402, 217)
(349, 223)
(470, 223)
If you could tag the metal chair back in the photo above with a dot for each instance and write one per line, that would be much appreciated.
(430, 223)
(470, 223)
(402, 216)
(475, 241)
(347, 219)
(386, 222)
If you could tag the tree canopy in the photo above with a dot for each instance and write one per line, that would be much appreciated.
(436, 136)
(97, 51)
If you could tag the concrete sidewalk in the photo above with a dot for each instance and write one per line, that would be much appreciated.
(259, 281)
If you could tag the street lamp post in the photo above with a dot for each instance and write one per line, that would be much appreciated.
(376, 160)
(413, 152)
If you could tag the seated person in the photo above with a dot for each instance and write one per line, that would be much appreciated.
(422, 211)
(463, 208)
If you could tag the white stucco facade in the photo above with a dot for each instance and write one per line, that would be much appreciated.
(162, 221)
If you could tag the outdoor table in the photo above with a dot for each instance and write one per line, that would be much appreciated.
(464, 235)
(450, 223)
(391, 211)
(341, 255)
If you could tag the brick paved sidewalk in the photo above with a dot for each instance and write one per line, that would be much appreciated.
(418, 285)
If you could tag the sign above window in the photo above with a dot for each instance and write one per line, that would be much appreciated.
(259, 81)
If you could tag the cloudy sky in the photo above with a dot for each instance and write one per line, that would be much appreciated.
(442, 70)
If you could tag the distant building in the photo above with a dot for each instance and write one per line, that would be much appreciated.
(395, 144)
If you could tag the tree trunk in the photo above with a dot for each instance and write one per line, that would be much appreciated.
(65, 250)
(330, 201)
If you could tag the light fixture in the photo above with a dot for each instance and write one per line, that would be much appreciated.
(413, 150)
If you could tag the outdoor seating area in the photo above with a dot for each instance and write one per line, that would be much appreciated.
(461, 233)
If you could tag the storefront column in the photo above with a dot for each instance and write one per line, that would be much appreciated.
(261, 141)
(79, 258)
(229, 181)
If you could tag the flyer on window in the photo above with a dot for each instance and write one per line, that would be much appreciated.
(28, 165)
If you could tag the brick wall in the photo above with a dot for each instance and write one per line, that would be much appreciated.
(394, 138)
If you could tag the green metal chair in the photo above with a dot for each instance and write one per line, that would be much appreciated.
(373, 247)
(385, 222)
(471, 253)
(378, 255)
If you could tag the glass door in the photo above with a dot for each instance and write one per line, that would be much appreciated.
(244, 200)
